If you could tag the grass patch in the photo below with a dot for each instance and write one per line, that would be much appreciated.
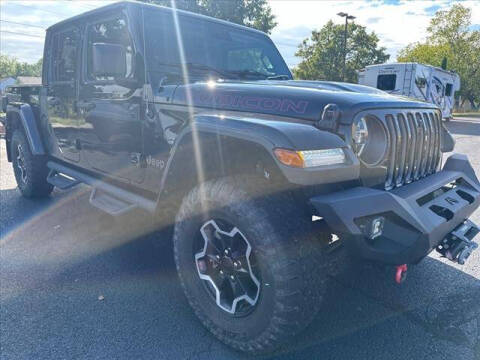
(468, 114)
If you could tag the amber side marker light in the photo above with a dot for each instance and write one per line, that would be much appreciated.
(289, 157)
(310, 158)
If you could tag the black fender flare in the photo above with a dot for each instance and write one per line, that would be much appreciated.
(271, 134)
(29, 124)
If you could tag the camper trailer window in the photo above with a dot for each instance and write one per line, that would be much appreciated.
(421, 82)
(386, 82)
(448, 89)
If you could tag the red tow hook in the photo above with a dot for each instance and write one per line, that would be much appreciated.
(401, 273)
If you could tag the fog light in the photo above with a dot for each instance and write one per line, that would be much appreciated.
(377, 227)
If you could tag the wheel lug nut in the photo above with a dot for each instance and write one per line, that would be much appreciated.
(221, 272)
(232, 277)
(217, 257)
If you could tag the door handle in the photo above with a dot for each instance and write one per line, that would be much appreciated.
(85, 105)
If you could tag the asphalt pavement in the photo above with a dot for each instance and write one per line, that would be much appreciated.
(76, 284)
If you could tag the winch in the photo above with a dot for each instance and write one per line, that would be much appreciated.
(459, 244)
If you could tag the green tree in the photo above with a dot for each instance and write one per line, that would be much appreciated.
(425, 54)
(450, 37)
(322, 53)
(10, 66)
(253, 13)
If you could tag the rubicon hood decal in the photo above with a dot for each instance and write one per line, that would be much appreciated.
(251, 103)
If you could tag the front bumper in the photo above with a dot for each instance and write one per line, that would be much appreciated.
(416, 217)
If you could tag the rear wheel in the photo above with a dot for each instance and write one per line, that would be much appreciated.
(251, 268)
(30, 171)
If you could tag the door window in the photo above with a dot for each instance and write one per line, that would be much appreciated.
(112, 32)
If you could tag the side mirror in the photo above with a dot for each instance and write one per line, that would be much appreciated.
(109, 60)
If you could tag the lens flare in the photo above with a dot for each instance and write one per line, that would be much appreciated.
(186, 79)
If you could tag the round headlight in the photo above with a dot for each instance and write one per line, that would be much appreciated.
(369, 140)
(359, 135)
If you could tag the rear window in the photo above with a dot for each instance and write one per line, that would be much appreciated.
(64, 58)
(386, 82)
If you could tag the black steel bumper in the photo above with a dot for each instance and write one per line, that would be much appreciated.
(416, 217)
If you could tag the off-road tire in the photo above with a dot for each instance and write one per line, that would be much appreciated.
(285, 244)
(34, 183)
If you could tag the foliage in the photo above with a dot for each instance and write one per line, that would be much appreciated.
(253, 13)
(10, 66)
(450, 37)
(425, 54)
(322, 53)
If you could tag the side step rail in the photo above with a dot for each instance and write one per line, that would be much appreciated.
(109, 203)
(105, 196)
(61, 181)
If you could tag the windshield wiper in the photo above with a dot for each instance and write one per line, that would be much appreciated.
(228, 74)
(248, 72)
(279, 77)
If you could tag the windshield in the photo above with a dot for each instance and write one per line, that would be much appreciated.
(210, 48)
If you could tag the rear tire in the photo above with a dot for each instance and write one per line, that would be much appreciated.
(30, 171)
(288, 264)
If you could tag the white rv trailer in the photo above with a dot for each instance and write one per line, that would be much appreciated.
(423, 82)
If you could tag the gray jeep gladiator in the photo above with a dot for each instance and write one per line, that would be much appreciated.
(199, 121)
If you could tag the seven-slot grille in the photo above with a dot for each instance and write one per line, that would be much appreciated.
(414, 146)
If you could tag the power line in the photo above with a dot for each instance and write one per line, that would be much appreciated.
(40, 9)
(89, 7)
(23, 34)
(17, 23)
(84, 6)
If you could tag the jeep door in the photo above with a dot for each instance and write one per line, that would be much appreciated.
(61, 124)
(110, 101)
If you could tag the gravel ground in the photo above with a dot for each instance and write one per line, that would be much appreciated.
(76, 284)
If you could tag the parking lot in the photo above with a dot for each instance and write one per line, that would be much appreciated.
(75, 283)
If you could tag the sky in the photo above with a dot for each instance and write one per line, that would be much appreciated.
(396, 22)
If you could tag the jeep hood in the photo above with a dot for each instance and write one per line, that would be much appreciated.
(295, 99)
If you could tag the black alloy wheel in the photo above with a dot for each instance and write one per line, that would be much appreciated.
(226, 265)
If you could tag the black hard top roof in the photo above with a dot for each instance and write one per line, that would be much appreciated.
(124, 4)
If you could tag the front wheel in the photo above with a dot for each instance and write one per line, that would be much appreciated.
(251, 268)
(30, 171)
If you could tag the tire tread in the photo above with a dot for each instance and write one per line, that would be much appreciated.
(300, 278)
(37, 170)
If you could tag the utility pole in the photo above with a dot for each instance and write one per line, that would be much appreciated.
(347, 17)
